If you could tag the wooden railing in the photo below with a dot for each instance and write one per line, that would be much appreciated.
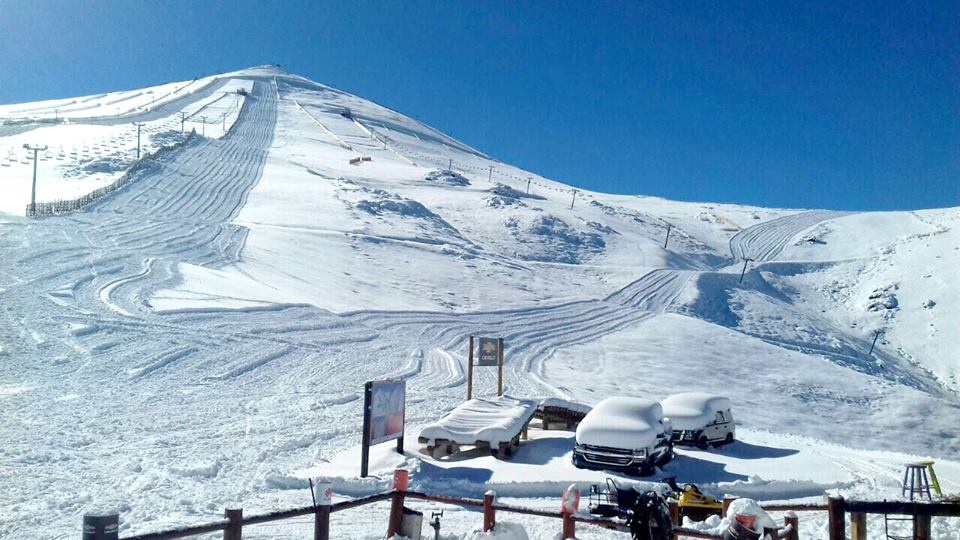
(921, 512)
(835, 507)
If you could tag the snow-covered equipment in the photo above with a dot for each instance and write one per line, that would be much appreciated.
(741, 528)
(700, 419)
(646, 513)
(746, 520)
(559, 413)
(623, 433)
(608, 501)
(650, 519)
(492, 423)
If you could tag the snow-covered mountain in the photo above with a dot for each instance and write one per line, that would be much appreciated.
(201, 335)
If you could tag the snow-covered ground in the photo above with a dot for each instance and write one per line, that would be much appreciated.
(200, 338)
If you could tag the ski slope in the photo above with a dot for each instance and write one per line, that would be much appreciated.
(201, 336)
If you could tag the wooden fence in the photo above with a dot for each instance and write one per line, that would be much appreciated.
(836, 507)
(921, 512)
(70, 205)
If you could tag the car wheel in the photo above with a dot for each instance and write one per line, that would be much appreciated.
(728, 439)
(702, 443)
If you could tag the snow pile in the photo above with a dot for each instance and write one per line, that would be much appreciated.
(693, 410)
(770, 490)
(503, 530)
(622, 422)
(447, 177)
(508, 192)
(550, 239)
(493, 420)
(883, 298)
(388, 206)
(504, 196)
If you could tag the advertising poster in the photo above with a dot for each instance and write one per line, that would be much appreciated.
(387, 402)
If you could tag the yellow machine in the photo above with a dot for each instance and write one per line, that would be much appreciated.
(692, 502)
(696, 505)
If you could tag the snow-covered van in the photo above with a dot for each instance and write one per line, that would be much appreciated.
(699, 419)
(623, 433)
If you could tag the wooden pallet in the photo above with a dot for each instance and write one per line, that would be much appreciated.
(554, 417)
(443, 447)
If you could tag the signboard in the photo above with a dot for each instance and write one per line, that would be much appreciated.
(384, 409)
(387, 400)
(488, 351)
(323, 494)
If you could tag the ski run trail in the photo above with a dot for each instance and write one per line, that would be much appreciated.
(168, 415)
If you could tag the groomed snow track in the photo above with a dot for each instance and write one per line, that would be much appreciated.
(765, 241)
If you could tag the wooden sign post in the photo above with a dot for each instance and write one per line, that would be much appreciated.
(499, 367)
(490, 354)
(470, 371)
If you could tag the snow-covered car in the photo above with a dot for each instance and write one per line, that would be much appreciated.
(700, 419)
(623, 433)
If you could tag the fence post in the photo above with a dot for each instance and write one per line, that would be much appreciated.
(921, 527)
(321, 523)
(791, 520)
(727, 499)
(489, 513)
(400, 480)
(233, 531)
(569, 526)
(321, 519)
(674, 506)
(858, 526)
(837, 520)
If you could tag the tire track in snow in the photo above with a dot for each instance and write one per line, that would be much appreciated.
(765, 241)
(532, 335)
(107, 291)
(160, 362)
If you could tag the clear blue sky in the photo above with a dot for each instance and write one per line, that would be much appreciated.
(796, 104)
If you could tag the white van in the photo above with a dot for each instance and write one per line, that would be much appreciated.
(700, 419)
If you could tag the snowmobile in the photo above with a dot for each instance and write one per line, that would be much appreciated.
(692, 502)
(645, 513)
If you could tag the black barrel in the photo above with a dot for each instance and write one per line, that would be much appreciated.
(101, 526)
